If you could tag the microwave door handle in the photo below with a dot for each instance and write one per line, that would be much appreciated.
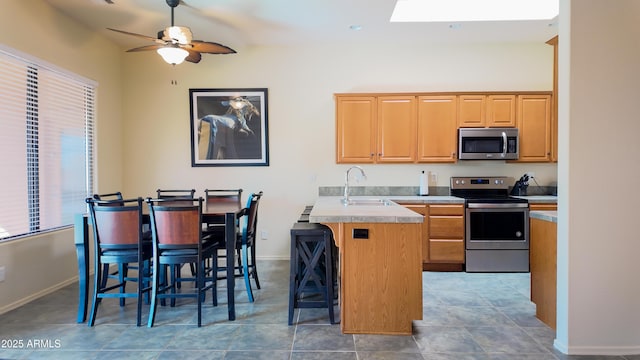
(504, 144)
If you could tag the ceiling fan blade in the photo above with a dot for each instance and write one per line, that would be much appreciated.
(210, 47)
(147, 47)
(193, 56)
(136, 35)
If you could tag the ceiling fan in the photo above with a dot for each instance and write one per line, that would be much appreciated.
(175, 43)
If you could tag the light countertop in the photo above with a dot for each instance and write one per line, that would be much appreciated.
(550, 215)
(329, 209)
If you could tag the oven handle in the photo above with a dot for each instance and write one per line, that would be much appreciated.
(497, 205)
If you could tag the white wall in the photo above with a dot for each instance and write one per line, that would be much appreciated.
(598, 242)
(39, 264)
(301, 83)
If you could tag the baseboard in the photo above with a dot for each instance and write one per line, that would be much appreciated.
(38, 295)
(272, 258)
(596, 350)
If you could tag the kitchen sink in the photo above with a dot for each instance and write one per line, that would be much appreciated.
(368, 202)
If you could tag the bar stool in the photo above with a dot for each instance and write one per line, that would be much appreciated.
(312, 268)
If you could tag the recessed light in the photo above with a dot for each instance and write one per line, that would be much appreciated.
(355, 27)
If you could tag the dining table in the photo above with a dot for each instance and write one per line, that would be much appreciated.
(227, 213)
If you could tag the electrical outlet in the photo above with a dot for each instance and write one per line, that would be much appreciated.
(1, 273)
(531, 174)
(264, 234)
(434, 178)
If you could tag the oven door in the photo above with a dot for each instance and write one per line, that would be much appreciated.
(497, 226)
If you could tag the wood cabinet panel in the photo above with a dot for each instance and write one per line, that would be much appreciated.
(501, 111)
(422, 210)
(543, 252)
(534, 126)
(381, 278)
(446, 250)
(445, 227)
(437, 130)
(355, 129)
(543, 207)
(396, 129)
(471, 110)
(446, 234)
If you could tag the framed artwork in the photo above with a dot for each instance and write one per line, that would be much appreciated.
(229, 127)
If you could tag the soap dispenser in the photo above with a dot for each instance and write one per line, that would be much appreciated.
(424, 184)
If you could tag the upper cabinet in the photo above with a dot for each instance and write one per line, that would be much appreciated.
(375, 129)
(396, 129)
(498, 110)
(356, 129)
(437, 128)
(472, 110)
(534, 128)
(422, 127)
(501, 111)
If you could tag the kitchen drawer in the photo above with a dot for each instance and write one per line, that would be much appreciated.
(446, 227)
(454, 210)
(543, 207)
(449, 250)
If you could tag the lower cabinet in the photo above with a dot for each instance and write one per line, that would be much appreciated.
(543, 269)
(443, 236)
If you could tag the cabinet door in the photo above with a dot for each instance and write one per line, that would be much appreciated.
(355, 129)
(396, 129)
(437, 130)
(501, 111)
(534, 125)
(471, 110)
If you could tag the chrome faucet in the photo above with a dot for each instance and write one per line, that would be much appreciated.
(345, 200)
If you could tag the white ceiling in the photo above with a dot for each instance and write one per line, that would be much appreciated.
(240, 23)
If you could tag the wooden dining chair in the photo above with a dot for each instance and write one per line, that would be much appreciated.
(176, 225)
(118, 239)
(245, 244)
(175, 194)
(122, 268)
(221, 196)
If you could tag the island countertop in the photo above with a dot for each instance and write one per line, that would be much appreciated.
(329, 209)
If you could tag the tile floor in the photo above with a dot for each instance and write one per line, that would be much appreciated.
(466, 316)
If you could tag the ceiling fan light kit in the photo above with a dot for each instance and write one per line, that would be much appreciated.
(173, 55)
(175, 43)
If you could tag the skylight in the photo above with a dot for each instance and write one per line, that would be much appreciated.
(473, 10)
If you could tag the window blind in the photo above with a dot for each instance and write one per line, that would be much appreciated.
(47, 120)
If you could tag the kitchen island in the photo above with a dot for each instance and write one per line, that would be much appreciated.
(380, 258)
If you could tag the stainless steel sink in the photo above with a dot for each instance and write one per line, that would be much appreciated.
(368, 202)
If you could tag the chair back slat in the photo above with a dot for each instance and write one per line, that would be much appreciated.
(176, 221)
(116, 222)
(213, 196)
(117, 227)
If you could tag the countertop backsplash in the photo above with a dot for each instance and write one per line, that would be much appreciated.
(412, 190)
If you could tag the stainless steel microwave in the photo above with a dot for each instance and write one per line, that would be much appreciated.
(488, 143)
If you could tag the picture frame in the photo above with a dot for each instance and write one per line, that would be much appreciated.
(229, 127)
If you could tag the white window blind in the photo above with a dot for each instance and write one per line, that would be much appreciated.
(46, 142)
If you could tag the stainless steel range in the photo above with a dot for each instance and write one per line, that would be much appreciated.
(496, 225)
